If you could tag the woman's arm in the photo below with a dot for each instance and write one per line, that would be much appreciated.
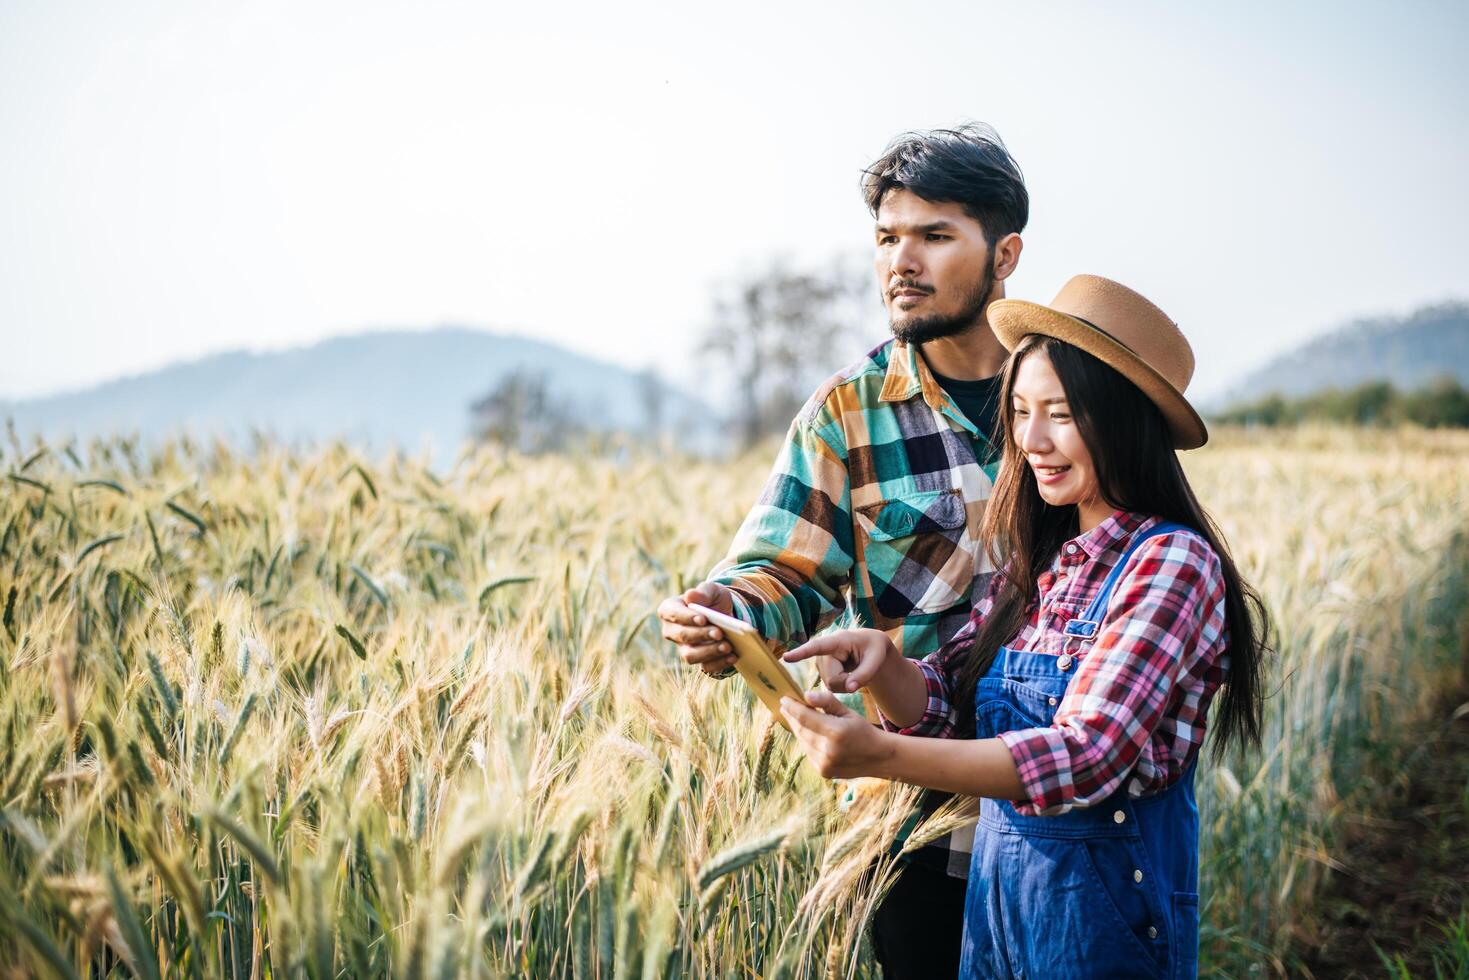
(852, 659)
(901, 691)
(842, 745)
(913, 695)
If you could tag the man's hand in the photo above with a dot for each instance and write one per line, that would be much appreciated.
(838, 742)
(699, 643)
(847, 659)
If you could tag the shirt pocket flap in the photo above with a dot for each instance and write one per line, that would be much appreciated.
(913, 513)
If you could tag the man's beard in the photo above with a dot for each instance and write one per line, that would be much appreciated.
(921, 329)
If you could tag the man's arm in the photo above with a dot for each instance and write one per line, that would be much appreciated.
(792, 557)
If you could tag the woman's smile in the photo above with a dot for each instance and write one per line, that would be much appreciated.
(1050, 475)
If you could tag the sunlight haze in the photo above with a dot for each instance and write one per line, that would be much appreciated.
(186, 178)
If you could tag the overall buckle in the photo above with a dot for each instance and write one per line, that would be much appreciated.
(1084, 628)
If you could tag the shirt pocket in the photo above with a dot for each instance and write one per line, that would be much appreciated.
(1051, 637)
(917, 552)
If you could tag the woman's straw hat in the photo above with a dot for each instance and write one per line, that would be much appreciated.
(1122, 329)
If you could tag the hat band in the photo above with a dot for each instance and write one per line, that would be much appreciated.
(1106, 333)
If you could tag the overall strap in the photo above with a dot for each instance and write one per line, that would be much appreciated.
(1091, 620)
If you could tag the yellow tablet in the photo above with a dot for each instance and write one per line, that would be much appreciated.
(762, 670)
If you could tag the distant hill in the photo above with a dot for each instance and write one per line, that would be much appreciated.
(403, 388)
(1409, 352)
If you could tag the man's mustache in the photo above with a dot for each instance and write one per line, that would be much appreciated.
(908, 284)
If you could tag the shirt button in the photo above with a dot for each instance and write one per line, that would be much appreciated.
(1152, 932)
(1119, 817)
(1051, 702)
(1137, 876)
(1071, 549)
(1063, 663)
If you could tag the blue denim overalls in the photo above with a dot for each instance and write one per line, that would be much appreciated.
(1109, 890)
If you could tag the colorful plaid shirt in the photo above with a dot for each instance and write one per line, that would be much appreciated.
(874, 505)
(1135, 710)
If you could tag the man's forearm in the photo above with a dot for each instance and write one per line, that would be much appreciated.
(973, 767)
(785, 609)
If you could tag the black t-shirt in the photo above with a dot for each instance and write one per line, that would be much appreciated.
(978, 400)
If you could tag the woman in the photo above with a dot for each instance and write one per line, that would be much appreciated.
(1074, 701)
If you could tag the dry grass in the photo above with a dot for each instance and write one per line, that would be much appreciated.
(314, 714)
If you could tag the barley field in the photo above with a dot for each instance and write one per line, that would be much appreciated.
(274, 713)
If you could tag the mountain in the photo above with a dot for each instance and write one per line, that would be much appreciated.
(403, 388)
(1409, 352)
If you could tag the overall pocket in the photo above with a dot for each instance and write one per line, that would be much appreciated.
(1034, 699)
(995, 713)
(1185, 935)
(917, 553)
(1125, 888)
(1055, 918)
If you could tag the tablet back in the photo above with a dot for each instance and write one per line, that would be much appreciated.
(762, 670)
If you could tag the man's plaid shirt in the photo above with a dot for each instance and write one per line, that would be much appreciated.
(876, 499)
(875, 502)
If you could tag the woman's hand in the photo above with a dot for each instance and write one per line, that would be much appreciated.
(840, 743)
(849, 659)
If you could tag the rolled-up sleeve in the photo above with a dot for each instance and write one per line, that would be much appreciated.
(1165, 619)
(938, 714)
(792, 557)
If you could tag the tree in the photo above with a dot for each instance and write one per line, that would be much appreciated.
(653, 399)
(519, 413)
(1442, 402)
(777, 333)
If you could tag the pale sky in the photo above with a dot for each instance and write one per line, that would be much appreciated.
(181, 178)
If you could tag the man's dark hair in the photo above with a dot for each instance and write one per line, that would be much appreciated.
(968, 165)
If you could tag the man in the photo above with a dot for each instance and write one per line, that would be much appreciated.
(876, 498)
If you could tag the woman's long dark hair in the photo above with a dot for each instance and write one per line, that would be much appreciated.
(1137, 470)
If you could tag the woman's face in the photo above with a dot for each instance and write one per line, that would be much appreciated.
(1049, 437)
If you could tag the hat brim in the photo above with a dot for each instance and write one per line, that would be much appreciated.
(1013, 319)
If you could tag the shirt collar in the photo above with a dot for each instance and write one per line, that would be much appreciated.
(1104, 537)
(908, 375)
